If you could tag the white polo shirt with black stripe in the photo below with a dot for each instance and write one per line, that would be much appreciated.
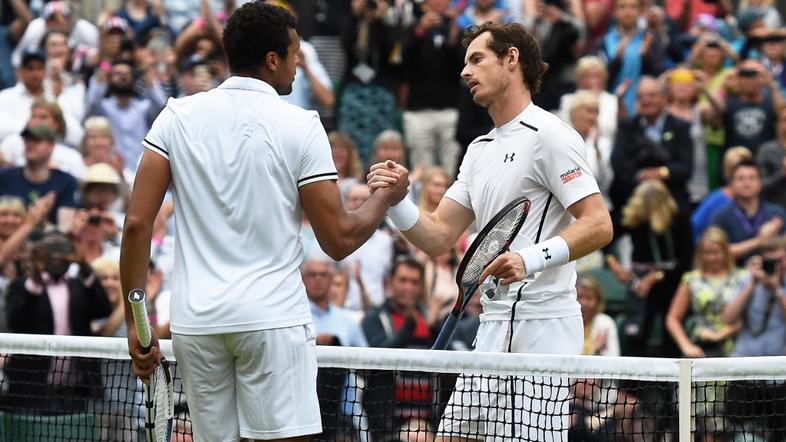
(538, 156)
(238, 155)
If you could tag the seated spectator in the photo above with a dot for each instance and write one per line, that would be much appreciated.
(721, 197)
(600, 336)
(65, 85)
(389, 145)
(63, 157)
(702, 295)
(591, 75)
(98, 146)
(142, 16)
(50, 300)
(709, 55)
(373, 258)
(584, 116)
(626, 50)
(95, 234)
(651, 145)
(37, 178)
(113, 95)
(56, 15)
(748, 221)
(101, 189)
(333, 326)
(770, 15)
(194, 76)
(346, 159)
(16, 225)
(662, 252)
(756, 408)
(771, 159)
(432, 187)
(16, 101)
(771, 43)
(748, 109)
(398, 323)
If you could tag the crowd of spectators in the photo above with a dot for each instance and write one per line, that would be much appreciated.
(680, 102)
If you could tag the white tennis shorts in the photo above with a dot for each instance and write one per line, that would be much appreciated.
(498, 408)
(259, 384)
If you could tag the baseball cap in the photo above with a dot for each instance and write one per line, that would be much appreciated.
(101, 173)
(116, 24)
(54, 7)
(39, 132)
(706, 21)
(682, 76)
(31, 54)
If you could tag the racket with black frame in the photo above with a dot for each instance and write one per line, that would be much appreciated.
(159, 406)
(492, 241)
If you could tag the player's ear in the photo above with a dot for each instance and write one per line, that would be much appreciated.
(512, 57)
(271, 61)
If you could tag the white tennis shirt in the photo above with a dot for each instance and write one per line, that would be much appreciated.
(238, 155)
(538, 156)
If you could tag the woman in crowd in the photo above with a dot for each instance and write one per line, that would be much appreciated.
(592, 76)
(662, 251)
(584, 116)
(346, 159)
(600, 330)
(433, 185)
(66, 87)
(703, 293)
(98, 146)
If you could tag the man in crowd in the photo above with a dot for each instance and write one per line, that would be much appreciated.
(748, 221)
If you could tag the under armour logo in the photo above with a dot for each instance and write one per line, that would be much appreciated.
(509, 156)
(546, 252)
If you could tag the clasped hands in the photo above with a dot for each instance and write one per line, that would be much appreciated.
(390, 179)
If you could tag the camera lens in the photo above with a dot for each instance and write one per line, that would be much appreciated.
(94, 220)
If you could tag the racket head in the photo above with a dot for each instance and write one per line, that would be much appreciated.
(492, 241)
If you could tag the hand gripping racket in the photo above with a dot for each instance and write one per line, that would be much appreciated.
(159, 409)
(491, 242)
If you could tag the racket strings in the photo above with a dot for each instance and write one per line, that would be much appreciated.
(494, 244)
(163, 408)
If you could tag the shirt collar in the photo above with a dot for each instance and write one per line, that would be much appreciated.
(515, 122)
(249, 84)
(316, 311)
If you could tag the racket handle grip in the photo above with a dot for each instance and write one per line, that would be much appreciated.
(141, 320)
(443, 339)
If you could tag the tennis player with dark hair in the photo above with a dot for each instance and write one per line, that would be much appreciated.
(530, 153)
(244, 165)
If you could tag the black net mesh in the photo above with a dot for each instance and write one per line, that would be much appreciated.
(82, 399)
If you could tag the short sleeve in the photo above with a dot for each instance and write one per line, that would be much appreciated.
(316, 161)
(459, 190)
(561, 166)
(158, 139)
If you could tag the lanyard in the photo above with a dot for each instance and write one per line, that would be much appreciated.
(656, 256)
(751, 225)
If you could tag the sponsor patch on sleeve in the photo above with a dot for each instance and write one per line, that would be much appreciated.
(570, 175)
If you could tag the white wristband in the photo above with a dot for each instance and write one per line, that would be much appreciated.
(404, 215)
(550, 253)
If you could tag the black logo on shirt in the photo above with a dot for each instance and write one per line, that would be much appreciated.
(509, 156)
(546, 252)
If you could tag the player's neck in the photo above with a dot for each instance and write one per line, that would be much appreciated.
(509, 104)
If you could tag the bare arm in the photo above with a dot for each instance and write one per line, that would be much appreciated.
(35, 215)
(677, 312)
(591, 231)
(152, 180)
(323, 95)
(23, 18)
(436, 233)
(338, 231)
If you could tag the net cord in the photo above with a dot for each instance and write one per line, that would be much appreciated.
(516, 364)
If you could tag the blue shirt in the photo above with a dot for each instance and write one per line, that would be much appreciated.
(338, 322)
(740, 227)
(700, 219)
(764, 327)
(13, 182)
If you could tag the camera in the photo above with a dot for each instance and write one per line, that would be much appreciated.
(768, 265)
(748, 73)
(94, 220)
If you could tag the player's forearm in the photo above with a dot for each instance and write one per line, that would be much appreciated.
(134, 259)
(431, 235)
(355, 227)
(589, 233)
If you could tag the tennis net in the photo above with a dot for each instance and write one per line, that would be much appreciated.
(56, 388)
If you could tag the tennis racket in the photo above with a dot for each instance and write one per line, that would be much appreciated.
(491, 242)
(159, 408)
